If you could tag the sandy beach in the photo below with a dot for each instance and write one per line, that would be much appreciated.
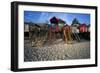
(57, 50)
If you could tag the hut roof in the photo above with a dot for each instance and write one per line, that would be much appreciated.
(38, 26)
(83, 24)
(75, 22)
(54, 20)
(62, 21)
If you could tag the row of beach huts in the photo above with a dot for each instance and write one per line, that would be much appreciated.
(81, 29)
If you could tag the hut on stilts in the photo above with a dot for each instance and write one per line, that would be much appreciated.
(59, 26)
(75, 31)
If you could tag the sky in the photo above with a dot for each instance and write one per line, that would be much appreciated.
(44, 17)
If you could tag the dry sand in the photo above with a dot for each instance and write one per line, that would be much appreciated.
(57, 50)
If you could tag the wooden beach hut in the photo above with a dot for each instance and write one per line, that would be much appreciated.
(26, 29)
(82, 28)
(75, 31)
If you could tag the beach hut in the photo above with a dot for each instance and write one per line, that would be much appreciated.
(74, 25)
(54, 21)
(88, 28)
(84, 31)
(88, 32)
(75, 31)
(26, 29)
(56, 27)
(61, 23)
(57, 21)
(67, 33)
(82, 28)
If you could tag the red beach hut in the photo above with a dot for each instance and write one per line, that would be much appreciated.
(82, 28)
